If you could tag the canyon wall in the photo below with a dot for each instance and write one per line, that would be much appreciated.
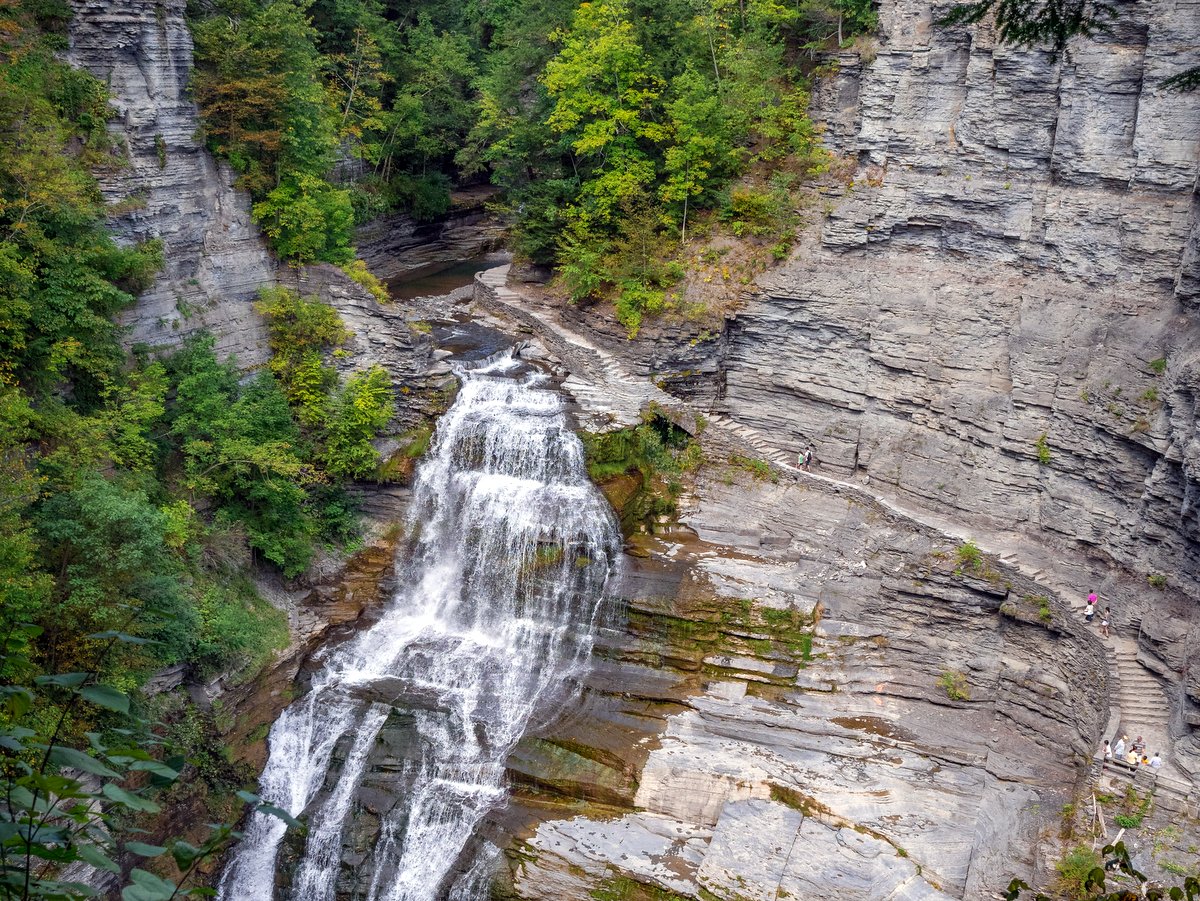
(997, 319)
(769, 716)
(397, 244)
(170, 188)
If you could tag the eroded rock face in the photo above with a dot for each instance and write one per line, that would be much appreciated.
(171, 189)
(394, 245)
(998, 322)
(775, 702)
(381, 333)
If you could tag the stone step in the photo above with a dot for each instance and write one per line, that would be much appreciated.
(1141, 679)
(1132, 706)
(1135, 708)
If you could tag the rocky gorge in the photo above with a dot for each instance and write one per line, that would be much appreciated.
(802, 688)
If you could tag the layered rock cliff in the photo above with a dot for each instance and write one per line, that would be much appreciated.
(772, 718)
(978, 327)
(170, 188)
(996, 320)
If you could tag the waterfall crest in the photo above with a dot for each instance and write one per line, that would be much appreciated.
(510, 548)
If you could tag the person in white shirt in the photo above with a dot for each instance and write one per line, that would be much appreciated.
(1155, 761)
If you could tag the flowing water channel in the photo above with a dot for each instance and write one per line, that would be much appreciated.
(510, 548)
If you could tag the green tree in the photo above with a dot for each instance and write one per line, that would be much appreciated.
(104, 540)
(24, 586)
(61, 276)
(240, 446)
(701, 155)
(358, 412)
(308, 220)
(606, 101)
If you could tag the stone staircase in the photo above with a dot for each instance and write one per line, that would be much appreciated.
(602, 388)
(606, 394)
(1139, 702)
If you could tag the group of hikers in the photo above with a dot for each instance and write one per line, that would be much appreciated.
(1134, 756)
(806, 458)
(1105, 621)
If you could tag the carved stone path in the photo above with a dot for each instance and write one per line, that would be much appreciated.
(607, 393)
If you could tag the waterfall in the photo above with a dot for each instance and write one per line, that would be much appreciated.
(510, 547)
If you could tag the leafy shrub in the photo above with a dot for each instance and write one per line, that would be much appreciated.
(582, 268)
(656, 451)
(1042, 602)
(760, 470)
(343, 420)
(358, 271)
(239, 445)
(1074, 869)
(308, 220)
(969, 556)
(302, 330)
(749, 211)
(955, 685)
(1157, 580)
(634, 301)
(107, 541)
(1043, 450)
(357, 414)
(236, 627)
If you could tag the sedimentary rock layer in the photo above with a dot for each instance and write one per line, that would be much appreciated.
(796, 660)
(997, 320)
(169, 188)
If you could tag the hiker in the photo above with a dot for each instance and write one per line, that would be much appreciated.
(1105, 620)
(1155, 761)
(1145, 760)
(1090, 610)
(1107, 752)
(808, 458)
(1120, 748)
(1139, 745)
(1131, 757)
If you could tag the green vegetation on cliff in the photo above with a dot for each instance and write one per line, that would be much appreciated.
(639, 468)
(137, 494)
(611, 126)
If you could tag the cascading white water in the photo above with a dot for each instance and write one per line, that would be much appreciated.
(512, 546)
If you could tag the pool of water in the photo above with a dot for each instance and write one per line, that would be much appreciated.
(441, 278)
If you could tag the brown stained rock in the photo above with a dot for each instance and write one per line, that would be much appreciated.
(620, 489)
(339, 599)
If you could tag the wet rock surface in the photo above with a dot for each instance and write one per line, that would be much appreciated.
(323, 607)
